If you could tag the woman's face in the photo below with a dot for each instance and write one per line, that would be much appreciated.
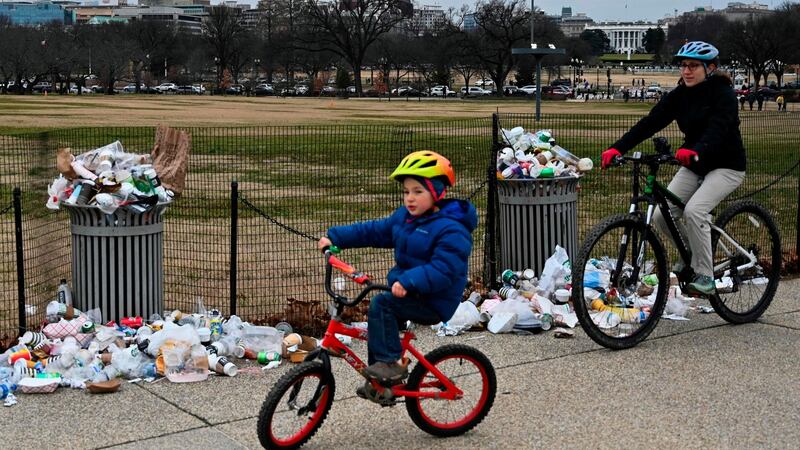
(693, 72)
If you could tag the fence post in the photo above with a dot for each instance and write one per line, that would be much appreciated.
(234, 241)
(797, 225)
(491, 173)
(20, 260)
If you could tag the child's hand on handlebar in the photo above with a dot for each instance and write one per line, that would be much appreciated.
(398, 290)
(324, 243)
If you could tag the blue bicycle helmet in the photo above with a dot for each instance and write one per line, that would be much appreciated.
(699, 50)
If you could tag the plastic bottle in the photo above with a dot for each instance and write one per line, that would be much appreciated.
(627, 315)
(64, 293)
(216, 325)
(565, 155)
(108, 373)
(227, 346)
(6, 389)
(155, 185)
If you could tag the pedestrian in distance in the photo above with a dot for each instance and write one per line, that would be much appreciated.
(751, 98)
(781, 101)
(760, 100)
(712, 155)
(742, 101)
(432, 241)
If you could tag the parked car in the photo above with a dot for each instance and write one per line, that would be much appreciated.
(483, 82)
(235, 89)
(186, 90)
(84, 90)
(653, 92)
(791, 85)
(529, 89)
(513, 91)
(301, 89)
(42, 87)
(264, 89)
(327, 91)
(406, 91)
(442, 91)
(474, 91)
(288, 91)
(351, 90)
(164, 88)
(131, 88)
(560, 82)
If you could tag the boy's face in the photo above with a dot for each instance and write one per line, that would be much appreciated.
(416, 197)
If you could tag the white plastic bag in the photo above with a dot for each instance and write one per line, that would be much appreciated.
(465, 316)
(556, 272)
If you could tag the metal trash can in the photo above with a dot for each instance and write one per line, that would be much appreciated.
(117, 260)
(535, 216)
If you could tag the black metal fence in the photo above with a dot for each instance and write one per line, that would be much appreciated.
(255, 251)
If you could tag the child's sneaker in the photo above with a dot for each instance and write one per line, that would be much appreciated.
(703, 285)
(387, 373)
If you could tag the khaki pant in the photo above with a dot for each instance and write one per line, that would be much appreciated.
(701, 195)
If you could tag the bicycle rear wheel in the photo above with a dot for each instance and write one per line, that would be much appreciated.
(616, 305)
(472, 373)
(290, 414)
(743, 295)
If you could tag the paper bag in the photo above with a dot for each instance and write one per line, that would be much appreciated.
(171, 157)
(64, 160)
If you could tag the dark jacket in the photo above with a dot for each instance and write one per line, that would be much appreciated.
(431, 251)
(708, 116)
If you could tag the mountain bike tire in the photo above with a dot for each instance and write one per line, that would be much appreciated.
(603, 241)
(753, 228)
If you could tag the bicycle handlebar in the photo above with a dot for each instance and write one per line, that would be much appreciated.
(663, 155)
(332, 261)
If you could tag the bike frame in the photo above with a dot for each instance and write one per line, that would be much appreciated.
(656, 194)
(331, 346)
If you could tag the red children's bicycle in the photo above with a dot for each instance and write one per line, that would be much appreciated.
(449, 392)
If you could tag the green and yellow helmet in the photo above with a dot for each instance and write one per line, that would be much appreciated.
(425, 164)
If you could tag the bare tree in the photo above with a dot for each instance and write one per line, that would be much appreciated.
(153, 41)
(111, 55)
(349, 28)
(755, 42)
(222, 29)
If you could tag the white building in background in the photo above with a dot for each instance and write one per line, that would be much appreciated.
(427, 18)
(626, 37)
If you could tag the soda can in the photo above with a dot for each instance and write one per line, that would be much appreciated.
(546, 319)
(510, 277)
(508, 292)
(267, 357)
(131, 322)
(87, 327)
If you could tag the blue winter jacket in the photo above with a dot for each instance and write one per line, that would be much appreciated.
(431, 251)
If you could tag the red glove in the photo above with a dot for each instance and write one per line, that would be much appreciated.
(608, 157)
(686, 156)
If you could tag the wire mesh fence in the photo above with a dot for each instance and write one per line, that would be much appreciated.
(307, 178)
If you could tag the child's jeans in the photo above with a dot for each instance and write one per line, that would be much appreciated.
(386, 313)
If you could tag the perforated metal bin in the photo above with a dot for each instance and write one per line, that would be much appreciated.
(535, 216)
(117, 260)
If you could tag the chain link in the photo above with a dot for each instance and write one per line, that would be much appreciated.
(6, 209)
(271, 219)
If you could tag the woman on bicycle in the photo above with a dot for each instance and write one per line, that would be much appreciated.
(432, 241)
(712, 155)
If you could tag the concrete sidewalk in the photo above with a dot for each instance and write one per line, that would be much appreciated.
(696, 384)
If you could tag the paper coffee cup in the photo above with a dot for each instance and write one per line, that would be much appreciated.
(292, 339)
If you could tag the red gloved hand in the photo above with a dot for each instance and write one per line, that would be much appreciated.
(608, 157)
(686, 156)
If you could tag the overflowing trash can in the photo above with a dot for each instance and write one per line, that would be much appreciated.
(117, 260)
(536, 214)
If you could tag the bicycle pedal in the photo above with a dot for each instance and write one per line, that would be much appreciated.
(384, 398)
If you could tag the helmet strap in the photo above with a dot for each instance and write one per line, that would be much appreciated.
(432, 190)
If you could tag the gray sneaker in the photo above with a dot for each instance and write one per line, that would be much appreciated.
(703, 285)
(387, 373)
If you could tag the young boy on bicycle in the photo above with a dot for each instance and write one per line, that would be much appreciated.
(432, 241)
(712, 155)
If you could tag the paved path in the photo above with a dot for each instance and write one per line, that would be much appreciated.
(696, 384)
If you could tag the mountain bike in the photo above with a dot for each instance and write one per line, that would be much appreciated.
(622, 259)
(449, 391)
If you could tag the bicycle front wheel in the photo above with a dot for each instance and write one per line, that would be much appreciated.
(745, 287)
(620, 282)
(472, 373)
(296, 407)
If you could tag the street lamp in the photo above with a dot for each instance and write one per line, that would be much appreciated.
(256, 62)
